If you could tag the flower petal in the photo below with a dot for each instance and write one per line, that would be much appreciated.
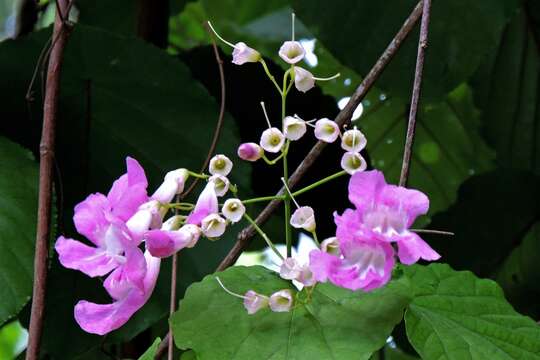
(364, 188)
(206, 204)
(89, 260)
(163, 243)
(413, 202)
(127, 276)
(412, 248)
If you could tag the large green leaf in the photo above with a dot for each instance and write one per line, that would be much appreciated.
(455, 315)
(18, 214)
(461, 34)
(506, 89)
(151, 352)
(335, 324)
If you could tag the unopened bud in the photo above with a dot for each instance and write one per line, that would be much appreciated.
(250, 151)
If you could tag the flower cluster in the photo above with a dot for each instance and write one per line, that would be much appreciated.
(126, 220)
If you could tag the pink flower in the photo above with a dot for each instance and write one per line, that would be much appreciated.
(130, 287)
(364, 262)
(387, 212)
(207, 204)
(102, 219)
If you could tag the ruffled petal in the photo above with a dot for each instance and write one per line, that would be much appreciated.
(90, 217)
(364, 188)
(412, 248)
(409, 201)
(347, 225)
(89, 260)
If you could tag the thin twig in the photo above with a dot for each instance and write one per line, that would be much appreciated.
(422, 45)
(219, 124)
(46, 151)
(343, 118)
(437, 232)
(168, 341)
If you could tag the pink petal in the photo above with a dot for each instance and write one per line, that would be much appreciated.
(103, 318)
(412, 248)
(347, 225)
(135, 172)
(90, 217)
(364, 188)
(90, 260)
(163, 243)
(129, 275)
(206, 204)
(413, 202)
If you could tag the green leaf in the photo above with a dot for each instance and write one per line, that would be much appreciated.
(506, 90)
(461, 34)
(151, 352)
(336, 323)
(455, 315)
(18, 209)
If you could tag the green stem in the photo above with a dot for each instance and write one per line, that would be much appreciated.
(270, 76)
(287, 200)
(273, 161)
(263, 198)
(314, 233)
(320, 182)
(263, 235)
(197, 175)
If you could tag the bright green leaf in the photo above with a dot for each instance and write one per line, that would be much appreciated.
(455, 315)
(337, 323)
(151, 352)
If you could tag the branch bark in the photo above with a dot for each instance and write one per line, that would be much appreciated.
(50, 111)
(417, 86)
(342, 118)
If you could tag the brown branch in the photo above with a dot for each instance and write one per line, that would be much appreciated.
(167, 342)
(411, 128)
(46, 150)
(342, 119)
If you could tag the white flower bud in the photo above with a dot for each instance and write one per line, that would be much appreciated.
(331, 246)
(353, 140)
(213, 226)
(303, 218)
(281, 301)
(326, 130)
(353, 162)
(272, 140)
(220, 165)
(173, 184)
(290, 269)
(254, 302)
(243, 54)
(291, 52)
(250, 151)
(303, 79)
(194, 233)
(221, 184)
(233, 209)
(294, 127)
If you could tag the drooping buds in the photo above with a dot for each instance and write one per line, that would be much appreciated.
(173, 184)
(233, 210)
(294, 127)
(353, 140)
(213, 226)
(243, 54)
(326, 130)
(291, 52)
(303, 79)
(254, 302)
(353, 162)
(250, 151)
(221, 184)
(281, 301)
(220, 165)
(272, 140)
(303, 218)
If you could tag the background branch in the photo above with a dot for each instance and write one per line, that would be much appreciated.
(46, 151)
(411, 128)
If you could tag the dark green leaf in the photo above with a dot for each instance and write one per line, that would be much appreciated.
(336, 323)
(455, 315)
(18, 214)
(462, 33)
